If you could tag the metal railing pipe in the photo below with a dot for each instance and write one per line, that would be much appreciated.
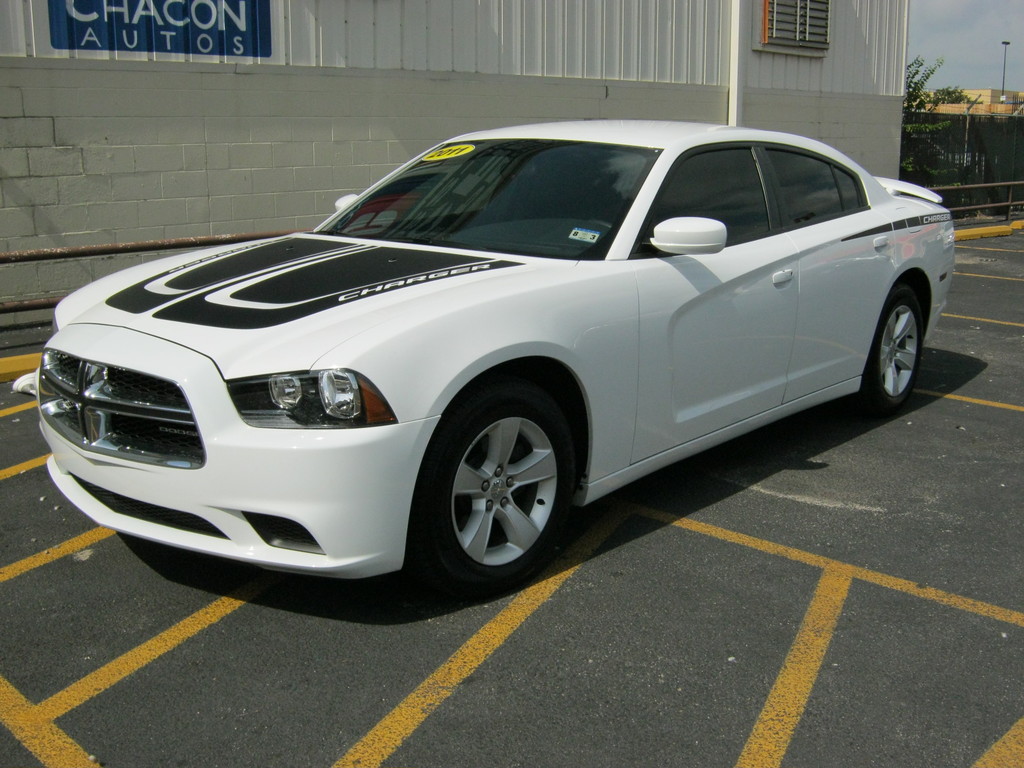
(143, 246)
(109, 249)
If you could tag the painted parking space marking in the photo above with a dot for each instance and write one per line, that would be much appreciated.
(769, 740)
(113, 672)
(34, 724)
(984, 320)
(1007, 752)
(24, 466)
(34, 727)
(1000, 250)
(17, 409)
(906, 586)
(990, 277)
(69, 547)
(48, 743)
(387, 736)
(972, 400)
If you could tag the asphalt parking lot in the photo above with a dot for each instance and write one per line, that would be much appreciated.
(827, 591)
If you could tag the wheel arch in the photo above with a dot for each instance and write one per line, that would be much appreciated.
(559, 382)
(917, 280)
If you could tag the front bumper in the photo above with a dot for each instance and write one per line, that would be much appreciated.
(349, 489)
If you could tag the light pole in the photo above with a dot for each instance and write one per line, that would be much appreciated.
(1002, 90)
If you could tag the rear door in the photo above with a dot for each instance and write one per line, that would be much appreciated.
(716, 331)
(845, 260)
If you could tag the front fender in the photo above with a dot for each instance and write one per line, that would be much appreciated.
(584, 317)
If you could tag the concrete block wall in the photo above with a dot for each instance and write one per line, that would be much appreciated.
(867, 128)
(96, 152)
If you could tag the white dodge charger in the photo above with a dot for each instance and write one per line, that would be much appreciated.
(514, 322)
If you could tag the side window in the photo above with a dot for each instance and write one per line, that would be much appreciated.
(849, 189)
(812, 189)
(722, 184)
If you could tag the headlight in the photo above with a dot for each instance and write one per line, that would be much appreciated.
(335, 398)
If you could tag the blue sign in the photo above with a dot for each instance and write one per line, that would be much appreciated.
(207, 27)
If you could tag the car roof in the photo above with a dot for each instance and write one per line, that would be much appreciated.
(659, 134)
(643, 133)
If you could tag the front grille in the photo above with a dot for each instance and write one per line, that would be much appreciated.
(133, 387)
(118, 411)
(151, 513)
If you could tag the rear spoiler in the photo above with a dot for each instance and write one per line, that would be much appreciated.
(896, 188)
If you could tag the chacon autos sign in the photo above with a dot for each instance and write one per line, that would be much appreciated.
(207, 27)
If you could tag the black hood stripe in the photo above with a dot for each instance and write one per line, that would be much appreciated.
(279, 282)
(222, 268)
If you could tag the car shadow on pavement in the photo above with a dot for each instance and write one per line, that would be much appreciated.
(791, 444)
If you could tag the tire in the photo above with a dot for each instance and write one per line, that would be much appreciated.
(493, 491)
(895, 356)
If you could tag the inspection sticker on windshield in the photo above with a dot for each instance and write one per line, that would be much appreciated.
(446, 153)
(586, 235)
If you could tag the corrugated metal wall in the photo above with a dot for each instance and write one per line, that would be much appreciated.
(675, 41)
(866, 54)
(672, 41)
(664, 41)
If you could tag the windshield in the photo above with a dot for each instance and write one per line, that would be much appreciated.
(559, 199)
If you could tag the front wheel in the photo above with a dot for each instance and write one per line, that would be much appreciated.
(895, 355)
(493, 490)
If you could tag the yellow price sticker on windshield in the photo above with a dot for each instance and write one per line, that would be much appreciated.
(446, 153)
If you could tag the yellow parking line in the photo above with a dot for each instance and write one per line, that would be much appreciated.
(69, 547)
(1008, 751)
(1001, 250)
(770, 737)
(16, 409)
(50, 745)
(809, 558)
(106, 676)
(990, 277)
(25, 466)
(984, 320)
(774, 729)
(976, 401)
(387, 736)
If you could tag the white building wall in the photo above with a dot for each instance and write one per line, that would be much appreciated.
(866, 54)
(664, 41)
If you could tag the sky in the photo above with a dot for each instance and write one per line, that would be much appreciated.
(968, 35)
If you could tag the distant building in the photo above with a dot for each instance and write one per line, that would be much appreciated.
(986, 101)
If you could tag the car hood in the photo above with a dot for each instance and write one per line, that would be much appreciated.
(291, 299)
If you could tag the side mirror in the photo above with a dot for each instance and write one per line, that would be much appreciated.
(344, 202)
(690, 235)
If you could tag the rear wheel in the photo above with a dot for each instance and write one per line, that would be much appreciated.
(493, 490)
(895, 356)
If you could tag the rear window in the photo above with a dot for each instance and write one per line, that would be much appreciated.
(812, 189)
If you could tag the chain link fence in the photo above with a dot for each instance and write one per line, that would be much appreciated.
(942, 150)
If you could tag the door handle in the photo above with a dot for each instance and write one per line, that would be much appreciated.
(880, 242)
(783, 277)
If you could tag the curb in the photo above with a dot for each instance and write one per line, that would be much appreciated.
(12, 368)
(977, 233)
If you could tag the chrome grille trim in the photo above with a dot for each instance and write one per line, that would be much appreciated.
(119, 412)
